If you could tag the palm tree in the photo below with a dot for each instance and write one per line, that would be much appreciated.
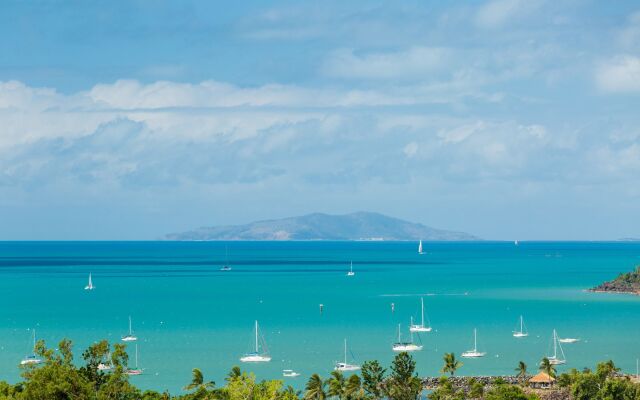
(198, 384)
(547, 367)
(450, 364)
(336, 384)
(314, 390)
(522, 371)
(235, 373)
(353, 389)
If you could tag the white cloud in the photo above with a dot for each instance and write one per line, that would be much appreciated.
(496, 13)
(409, 63)
(620, 74)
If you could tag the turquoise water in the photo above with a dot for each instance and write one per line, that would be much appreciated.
(189, 314)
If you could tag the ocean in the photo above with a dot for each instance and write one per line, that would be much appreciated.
(187, 313)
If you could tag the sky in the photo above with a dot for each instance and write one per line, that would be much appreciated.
(507, 119)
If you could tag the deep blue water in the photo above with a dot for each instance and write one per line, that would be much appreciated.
(189, 314)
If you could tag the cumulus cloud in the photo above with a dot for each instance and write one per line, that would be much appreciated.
(496, 13)
(620, 74)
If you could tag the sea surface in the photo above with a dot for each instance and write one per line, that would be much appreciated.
(187, 313)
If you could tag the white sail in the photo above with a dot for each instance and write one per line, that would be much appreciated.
(474, 353)
(522, 332)
(351, 273)
(405, 346)
(420, 327)
(130, 337)
(90, 284)
(256, 355)
(420, 247)
(32, 358)
(557, 359)
(345, 366)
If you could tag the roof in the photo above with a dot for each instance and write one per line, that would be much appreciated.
(542, 377)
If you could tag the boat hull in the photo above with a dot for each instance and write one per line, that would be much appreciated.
(346, 367)
(255, 359)
(406, 347)
(472, 354)
(419, 328)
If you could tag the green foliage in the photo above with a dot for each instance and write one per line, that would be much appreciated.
(521, 370)
(451, 365)
(336, 385)
(315, 388)
(585, 387)
(403, 384)
(547, 367)
(508, 392)
(372, 379)
(476, 389)
(446, 391)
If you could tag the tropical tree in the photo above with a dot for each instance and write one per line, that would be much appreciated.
(521, 371)
(198, 385)
(606, 370)
(450, 364)
(547, 367)
(403, 384)
(476, 389)
(353, 388)
(314, 389)
(336, 384)
(372, 379)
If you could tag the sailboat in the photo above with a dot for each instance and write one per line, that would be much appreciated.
(136, 370)
(130, 337)
(32, 358)
(351, 273)
(90, 284)
(420, 327)
(522, 332)
(256, 356)
(226, 266)
(344, 366)
(289, 373)
(106, 365)
(555, 359)
(568, 340)
(474, 353)
(405, 346)
(420, 247)
(515, 242)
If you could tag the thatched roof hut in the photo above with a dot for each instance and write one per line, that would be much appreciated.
(541, 380)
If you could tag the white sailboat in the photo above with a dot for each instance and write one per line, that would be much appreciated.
(474, 353)
(420, 247)
(351, 273)
(523, 330)
(420, 327)
(226, 266)
(256, 355)
(32, 358)
(130, 337)
(90, 284)
(344, 366)
(405, 346)
(106, 365)
(289, 373)
(136, 370)
(555, 359)
(568, 340)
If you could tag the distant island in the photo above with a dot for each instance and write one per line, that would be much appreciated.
(318, 226)
(625, 283)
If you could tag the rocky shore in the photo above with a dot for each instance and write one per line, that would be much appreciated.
(465, 381)
(625, 283)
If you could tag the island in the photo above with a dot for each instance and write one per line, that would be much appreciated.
(628, 282)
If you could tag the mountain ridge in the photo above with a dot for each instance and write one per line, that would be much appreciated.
(359, 225)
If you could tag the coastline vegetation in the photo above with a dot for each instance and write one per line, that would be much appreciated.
(627, 282)
(60, 378)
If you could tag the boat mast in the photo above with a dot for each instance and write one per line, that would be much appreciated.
(555, 343)
(345, 351)
(521, 324)
(399, 337)
(130, 331)
(422, 307)
(475, 342)
(256, 336)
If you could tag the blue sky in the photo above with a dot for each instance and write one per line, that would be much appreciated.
(503, 118)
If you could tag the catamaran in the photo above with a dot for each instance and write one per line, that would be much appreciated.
(351, 273)
(289, 373)
(136, 370)
(256, 355)
(130, 337)
(344, 366)
(90, 284)
(523, 330)
(420, 327)
(405, 346)
(474, 353)
(420, 247)
(555, 359)
(32, 358)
